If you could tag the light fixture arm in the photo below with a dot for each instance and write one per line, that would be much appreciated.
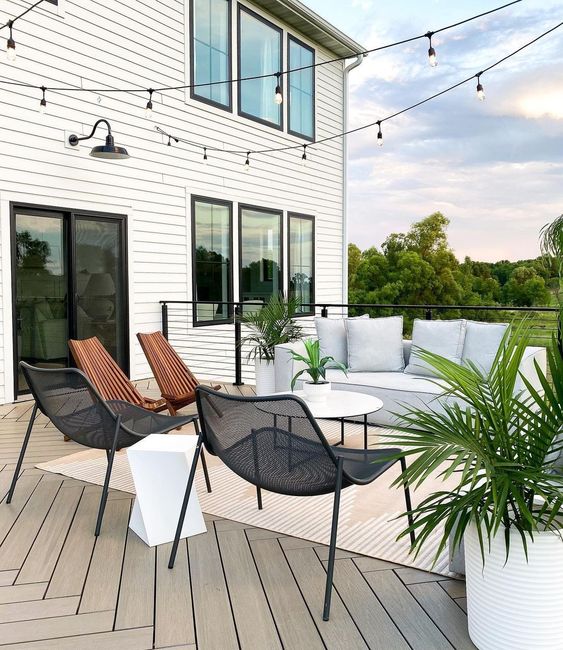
(73, 140)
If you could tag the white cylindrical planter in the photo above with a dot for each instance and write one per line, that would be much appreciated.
(316, 392)
(515, 604)
(265, 377)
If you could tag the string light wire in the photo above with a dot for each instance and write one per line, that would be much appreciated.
(380, 121)
(276, 75)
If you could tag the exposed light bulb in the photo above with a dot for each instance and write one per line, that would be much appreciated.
(247, 163)
(480, 92)
(205, 155)
(148, 108)
(379, 136)
(279, 97)
(43, 102)
(10, 45)
(431, 51)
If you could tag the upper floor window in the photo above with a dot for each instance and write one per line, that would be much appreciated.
(259, 53)
(302, 260)
(211, 50)
(212, 255)
(301, 89)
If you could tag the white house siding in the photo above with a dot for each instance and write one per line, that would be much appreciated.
(107, 44)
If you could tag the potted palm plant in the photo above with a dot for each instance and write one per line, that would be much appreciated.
(269, 326)
(317, 388)
(504, 448)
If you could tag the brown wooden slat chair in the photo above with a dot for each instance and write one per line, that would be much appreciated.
(176, 381)
(108, 378)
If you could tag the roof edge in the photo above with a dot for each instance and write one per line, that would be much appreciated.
(308, 15)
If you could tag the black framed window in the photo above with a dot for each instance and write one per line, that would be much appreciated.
(210, 51)
(301, 271)
(212, 237)
(260, 253)
(301, 89)
(259, 53)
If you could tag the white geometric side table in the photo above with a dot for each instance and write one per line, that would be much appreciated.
(160, 465)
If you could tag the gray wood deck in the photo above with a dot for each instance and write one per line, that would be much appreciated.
(235, 587)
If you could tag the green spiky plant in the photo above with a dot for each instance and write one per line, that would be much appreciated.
(271, 325)
(316, 366)
(503, 444)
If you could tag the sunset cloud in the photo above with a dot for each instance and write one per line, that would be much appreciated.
(495, 168)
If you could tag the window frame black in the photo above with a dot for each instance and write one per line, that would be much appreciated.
(311, 218)
(193, 91)
(195, 198)
(299, 42)
(240, 9)
(258, 208)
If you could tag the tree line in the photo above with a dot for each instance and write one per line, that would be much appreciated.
(419, 267)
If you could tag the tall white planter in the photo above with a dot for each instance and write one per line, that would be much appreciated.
(265, 377)
(515, 604)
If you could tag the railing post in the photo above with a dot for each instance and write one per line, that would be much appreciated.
(324, 312)
(238, 348)
(428, 314)
(164, 319)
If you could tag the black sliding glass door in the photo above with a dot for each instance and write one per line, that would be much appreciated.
(69, 281)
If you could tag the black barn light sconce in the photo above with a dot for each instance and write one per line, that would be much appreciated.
(108, 151)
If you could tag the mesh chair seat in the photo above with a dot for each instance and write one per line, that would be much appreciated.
(362, 466)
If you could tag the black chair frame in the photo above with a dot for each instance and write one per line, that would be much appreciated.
(121, 436)
(343, 478)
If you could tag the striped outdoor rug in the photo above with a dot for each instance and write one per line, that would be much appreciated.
(368, 514)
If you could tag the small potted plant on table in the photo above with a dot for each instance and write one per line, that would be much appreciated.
(505, 447)
(269, 326)
(317, 388)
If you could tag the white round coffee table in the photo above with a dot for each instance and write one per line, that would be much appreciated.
(342, 404)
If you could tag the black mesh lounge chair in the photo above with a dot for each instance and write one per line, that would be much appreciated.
(67, 397)
(275, 443)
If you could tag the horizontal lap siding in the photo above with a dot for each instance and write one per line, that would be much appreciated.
(139, 43)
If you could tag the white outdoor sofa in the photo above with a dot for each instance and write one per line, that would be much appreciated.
(397, 390)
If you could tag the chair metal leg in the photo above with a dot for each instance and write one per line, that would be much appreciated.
(408, 501)
(259, 497)
(205, 472)
(22, 454)
(184, 507)
(105, 490)
(332, 547)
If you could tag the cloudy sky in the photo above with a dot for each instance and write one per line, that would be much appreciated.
(495, 168)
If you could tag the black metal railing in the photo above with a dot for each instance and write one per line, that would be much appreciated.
(216, 350)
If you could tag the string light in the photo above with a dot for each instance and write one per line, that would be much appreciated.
(43, 102)
(278, 99)
(11, 44)
(480, 89)
(247, 162)
(223, 149)
(254, 77)
(304, 156)
(148, 108)
(205, 155)
(431, 51)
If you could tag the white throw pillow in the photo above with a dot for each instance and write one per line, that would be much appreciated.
(443, 337)
(331, 333)
(482, 341)
(375, 345)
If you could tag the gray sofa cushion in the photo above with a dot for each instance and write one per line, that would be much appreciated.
(443, 337)
(375, 344)
(332, 337)
(482, 341)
